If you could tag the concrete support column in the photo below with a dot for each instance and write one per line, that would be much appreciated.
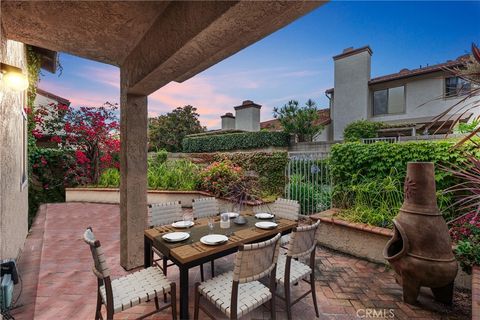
(133, 172)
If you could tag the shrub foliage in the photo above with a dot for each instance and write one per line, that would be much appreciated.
(235, 141)
(361, 169)
(361, 129)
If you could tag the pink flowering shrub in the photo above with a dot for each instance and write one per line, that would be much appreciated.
(87, 134)
(220, 177)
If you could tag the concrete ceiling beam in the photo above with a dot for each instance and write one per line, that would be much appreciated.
(215, 30)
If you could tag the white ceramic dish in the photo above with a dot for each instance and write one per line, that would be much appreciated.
(232, 215)
(176, 236)
(213, 239)
(264, 215)
(266, 225)
(183, 224)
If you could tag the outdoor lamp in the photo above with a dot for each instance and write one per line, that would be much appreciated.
(13, 77)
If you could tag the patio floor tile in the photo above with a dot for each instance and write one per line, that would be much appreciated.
(58, 282)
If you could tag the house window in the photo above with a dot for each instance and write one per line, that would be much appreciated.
(389, 101)
(455, 86)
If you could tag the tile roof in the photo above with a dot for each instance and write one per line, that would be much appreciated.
(406, 73)
(53, 96)
(274, 124)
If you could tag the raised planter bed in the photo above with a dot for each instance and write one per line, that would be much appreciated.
(112, 195)
(363, 241)
(476, 292)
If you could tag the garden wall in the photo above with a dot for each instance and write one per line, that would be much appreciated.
(112, 195)
(363, 241)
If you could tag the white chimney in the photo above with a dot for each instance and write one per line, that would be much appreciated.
(228, 121)
(247, 116)
(351, 92)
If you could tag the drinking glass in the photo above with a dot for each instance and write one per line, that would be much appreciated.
(211, 224)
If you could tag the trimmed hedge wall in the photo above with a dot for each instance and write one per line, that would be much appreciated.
(235, 141)
(353, 161)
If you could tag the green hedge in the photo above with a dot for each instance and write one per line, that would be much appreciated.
(354, 163)
(235, 141)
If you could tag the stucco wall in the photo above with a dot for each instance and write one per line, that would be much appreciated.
(351, 99)
(13, 196)
(421, 98)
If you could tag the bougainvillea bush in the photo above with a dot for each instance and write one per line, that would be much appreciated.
(88, 134)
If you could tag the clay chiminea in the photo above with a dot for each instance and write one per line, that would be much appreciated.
(420, 250)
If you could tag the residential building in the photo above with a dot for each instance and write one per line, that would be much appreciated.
(409, 100)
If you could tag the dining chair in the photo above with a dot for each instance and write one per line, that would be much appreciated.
(290, 270)
(286, 209)
(160, 214)
(204, 208)
(238, 292)
(123, 293)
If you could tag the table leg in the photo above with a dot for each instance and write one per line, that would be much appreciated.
(147, 252)
(183, 293)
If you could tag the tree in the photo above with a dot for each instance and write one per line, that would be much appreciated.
(300, 121)
(167, 131)
(89, 134)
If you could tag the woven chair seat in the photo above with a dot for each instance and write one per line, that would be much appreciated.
(218, 291)
(136, 288)
(298, 270)
(284, 240)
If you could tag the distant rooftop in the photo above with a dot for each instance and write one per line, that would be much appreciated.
(407, 73)
(274, 124)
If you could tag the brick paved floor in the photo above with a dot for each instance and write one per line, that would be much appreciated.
(58, 282)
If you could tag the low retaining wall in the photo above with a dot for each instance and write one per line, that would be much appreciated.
(112, 195)
(363, 241)
(476, 293)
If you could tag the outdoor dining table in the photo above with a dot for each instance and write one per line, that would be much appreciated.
(192, 252)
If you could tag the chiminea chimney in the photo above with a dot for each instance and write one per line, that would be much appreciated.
(247, 116)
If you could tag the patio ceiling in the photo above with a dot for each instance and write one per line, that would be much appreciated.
(154, 42)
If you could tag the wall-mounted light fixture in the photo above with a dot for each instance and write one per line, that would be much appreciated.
(13, 77)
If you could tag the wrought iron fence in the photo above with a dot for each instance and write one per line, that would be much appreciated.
(309, 181)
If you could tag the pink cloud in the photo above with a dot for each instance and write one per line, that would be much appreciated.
(77, 96)
(199, 92)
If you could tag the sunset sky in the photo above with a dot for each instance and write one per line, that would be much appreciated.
(296, 61)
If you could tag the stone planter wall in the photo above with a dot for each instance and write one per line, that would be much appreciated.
(476, 293)
(362, 240)
(112, 195)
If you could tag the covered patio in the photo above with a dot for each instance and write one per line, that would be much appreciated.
(58, 282)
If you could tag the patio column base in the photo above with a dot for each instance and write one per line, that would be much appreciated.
(133, 171)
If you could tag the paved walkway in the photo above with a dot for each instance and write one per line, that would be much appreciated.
(58, 282)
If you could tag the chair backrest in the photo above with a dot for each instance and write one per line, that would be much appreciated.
(100, 267)
(287, 209)
(256, 260)
(303, 241)
(205, 207)
(164, 213)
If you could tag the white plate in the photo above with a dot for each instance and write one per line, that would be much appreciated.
(213, 239)
(264, 215)
(183, 224)
(232, 215)
(175, 236)
(266, 225)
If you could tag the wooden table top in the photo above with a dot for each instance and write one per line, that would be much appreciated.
(189, 251)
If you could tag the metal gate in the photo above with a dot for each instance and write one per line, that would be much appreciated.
(309, 181)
